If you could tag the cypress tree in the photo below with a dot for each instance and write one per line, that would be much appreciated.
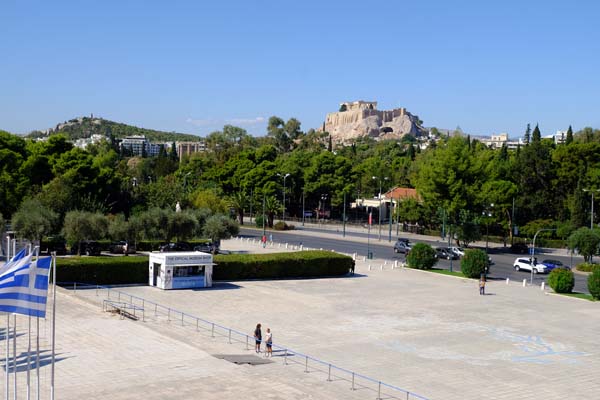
(569, 135)
(527, 137)
(536, 136)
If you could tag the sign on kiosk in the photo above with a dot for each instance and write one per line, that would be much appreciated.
(180, 270)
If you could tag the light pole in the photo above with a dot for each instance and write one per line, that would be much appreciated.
(380, 183)
(284, 178)
(532, 259)
(592, 211)
(487, 213)
(323, 200)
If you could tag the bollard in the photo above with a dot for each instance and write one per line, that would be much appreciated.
(524, 282)
(354, 256)
(379, 391)
(329, 374)
(381, 266)
(285, 357)
(212, 331)
(286, 245)
(369, 267)
(543, 285)
(306, 365)
(301, 247)
(364, 258)
(385, 262)
(74, 287)
(395, 264)
(507, 281)
(352, 382)
(279, 245)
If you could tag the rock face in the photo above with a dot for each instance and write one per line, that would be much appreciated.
(362, 118)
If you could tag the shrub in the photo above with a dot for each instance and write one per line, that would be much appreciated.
(594, 284)
(421, 256)
(102, 270)
(282, 226)
(587, 267)
(281, 265)
(474, 263)
(561, 280)
(259, 221)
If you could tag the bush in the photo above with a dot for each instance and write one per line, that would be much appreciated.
(282, 226)
(421, 256)
(594, 284)
(588, 267)
(474, 263)
(102, 270)
(259, 221)
(561, 280)
(305, 264)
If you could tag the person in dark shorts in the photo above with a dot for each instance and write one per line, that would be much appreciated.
(257, 338)
(269, 343)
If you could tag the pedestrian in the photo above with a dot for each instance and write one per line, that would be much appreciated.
(264, 241)
(125, 248)
(257, 338)
(271, 238)
(269, 343)
(482, 285)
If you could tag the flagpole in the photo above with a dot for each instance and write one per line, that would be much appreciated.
(15, 356)
(53, 323)
(37, 257)
(7, 356)
(37, 357)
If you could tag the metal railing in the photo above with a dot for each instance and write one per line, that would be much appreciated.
(290, 356)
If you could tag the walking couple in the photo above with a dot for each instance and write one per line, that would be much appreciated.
(268, 340)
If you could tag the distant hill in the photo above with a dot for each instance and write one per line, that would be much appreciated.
(85, 127)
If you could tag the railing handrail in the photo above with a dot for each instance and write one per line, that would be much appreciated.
(294, 352)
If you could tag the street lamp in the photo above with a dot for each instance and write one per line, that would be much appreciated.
(592, 211)
(323, 200)
(487, 213)
(532, 259)
(380, 183)
(284, 178)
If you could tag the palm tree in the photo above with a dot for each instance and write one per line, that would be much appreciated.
(239, 201)
(272, 206)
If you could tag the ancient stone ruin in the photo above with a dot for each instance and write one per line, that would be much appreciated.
(362, 118)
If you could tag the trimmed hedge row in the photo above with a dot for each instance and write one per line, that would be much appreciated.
(587, 267)
(301, 264)
(134, 269)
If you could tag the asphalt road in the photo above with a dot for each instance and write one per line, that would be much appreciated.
(501, 269)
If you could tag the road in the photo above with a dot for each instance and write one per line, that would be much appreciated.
(356, 242)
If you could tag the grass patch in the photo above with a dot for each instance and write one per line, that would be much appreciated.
(447, 272)
(578, 295)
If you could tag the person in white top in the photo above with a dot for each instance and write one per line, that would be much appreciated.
(269, 343)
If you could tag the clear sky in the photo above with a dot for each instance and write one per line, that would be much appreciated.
(193, 66)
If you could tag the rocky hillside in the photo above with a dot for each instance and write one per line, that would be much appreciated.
(85, 127)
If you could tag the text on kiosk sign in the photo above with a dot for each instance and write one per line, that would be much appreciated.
(187, 259)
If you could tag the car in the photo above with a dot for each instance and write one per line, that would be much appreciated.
(552, 264)
(458, 251)
(86, 247)
(402, 246)
(519, 248)
(525, 264)
(208, 247)
(177, 246)
(120, 246)
(445, 252)
(52, 244)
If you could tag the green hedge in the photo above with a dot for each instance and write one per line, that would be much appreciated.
(134, 269)
(103, 270)
(594, 284)
(421, 256)
(305, 264)
(587, 267)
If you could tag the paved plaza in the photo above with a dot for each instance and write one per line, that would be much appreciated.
(430, 334)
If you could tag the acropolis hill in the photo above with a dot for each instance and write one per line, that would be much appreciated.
(362, 118)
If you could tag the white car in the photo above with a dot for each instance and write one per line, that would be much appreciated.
(525, 264)
(458, 251)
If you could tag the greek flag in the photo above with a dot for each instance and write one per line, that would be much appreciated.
(17, 257)
(24, 287)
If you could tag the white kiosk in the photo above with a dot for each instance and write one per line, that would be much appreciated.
(183, 270)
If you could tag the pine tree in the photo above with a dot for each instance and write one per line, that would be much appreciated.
(527, 137)
(569, 135)
(536, 136)
(173, 152)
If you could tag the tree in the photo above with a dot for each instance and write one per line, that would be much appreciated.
(585, 241)
(474, 263)
(272, 206)
(527, 137)
(34, 221)
(467, 230)
(536, 136)
(81, 225)
(181, 225)
(569, 139)
(220, 227)
(239, 202)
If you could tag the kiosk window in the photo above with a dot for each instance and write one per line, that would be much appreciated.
(192, 270)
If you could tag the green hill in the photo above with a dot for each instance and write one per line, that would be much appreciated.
(85, 127)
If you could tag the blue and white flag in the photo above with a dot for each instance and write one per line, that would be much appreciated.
(17, 257)
(24, 287)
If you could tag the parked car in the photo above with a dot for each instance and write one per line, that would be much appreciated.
(119, 247)
(178, 246)
(86, 247)
(402, 246)
(445, 252)
(458, 251)
(525, 264)
(53, 244)
(552, 264)
(519, 248)
(208, 247)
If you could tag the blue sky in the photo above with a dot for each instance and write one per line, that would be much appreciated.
(193, 66)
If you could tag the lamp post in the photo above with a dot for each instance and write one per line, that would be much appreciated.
(379, 212)
(487, 213)
(532, 259)
(323, 200)
(284, 178)
(303, 214)
(592, 211)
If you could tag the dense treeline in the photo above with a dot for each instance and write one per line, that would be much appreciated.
(461, 182)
